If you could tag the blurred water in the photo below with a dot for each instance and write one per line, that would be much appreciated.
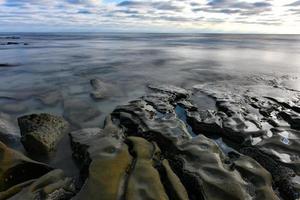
(54, 70)
(62, 64)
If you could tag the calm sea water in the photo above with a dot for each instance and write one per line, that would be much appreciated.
(58, 67)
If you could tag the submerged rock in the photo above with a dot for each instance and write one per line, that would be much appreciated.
(41, 132)
(101, 90)
(79, 112)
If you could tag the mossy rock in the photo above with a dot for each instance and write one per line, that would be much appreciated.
(41, 132)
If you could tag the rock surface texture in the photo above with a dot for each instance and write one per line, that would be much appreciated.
(163, 147)
(41, 132)
(22, 178)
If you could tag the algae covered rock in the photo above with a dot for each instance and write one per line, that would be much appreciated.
(22, 178)
(128, 168)
(41, 132)
(51, 186)
(15, 168)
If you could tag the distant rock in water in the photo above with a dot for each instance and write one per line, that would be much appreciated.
(13, 43)
(41, 132)
(10, 37)
(8, 65)
(102, 90)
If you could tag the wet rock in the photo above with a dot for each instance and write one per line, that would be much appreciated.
(171, 90)
(291, 117)
(206, 122)
(118, 168)
(41, 132)
(283, 147)
(282, 176)
(8, 65)
(79, 112)
(15, 168)
(144, 179)
(52, 186)
(198, 162)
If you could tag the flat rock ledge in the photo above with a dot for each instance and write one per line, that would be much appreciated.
(153, 148)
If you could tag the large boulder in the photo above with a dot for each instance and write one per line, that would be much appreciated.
(41, 132)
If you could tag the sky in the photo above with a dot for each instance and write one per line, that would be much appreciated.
(203, 16)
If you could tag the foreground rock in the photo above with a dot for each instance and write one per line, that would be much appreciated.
(202, 167)
(23, 178)
(41, 132)
(129, 168)
(262, 121)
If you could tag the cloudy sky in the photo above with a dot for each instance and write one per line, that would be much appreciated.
(234, 16)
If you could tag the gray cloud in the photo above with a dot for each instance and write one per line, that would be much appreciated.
(159, 5)
(296, 3)
(233, 7)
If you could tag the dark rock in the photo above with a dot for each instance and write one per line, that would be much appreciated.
(8, 65)
(12, 43)
(41, 132)
(53, 185)
(172, 91)
(22, 178)
(293, 118)
(15, 168)
(198, 162)
(282, 176)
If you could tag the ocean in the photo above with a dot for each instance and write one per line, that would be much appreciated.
(52, 72)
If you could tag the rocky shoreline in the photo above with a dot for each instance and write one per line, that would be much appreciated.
(162, 146)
